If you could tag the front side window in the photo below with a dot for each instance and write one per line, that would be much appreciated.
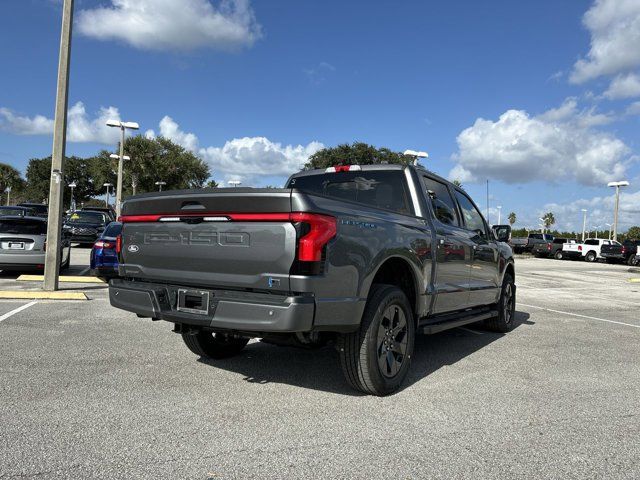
(472, 218)
(443, 205)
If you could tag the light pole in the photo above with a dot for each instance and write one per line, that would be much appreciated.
(54, 217)
(544, 224)
(160, 184)
(72, 204)
(416, 155)
(234, 183)
(617, 186)
(8, 190)
(122, 126)
(499, 207)
(609, 225)
(584, 222)
(106, 197)
(595, 231)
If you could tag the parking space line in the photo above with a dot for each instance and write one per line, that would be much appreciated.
(84, 271)
(579, 315)
(17, 310)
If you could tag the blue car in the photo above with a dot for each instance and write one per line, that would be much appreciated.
(104, 259)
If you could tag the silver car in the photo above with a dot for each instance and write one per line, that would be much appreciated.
(23, 243)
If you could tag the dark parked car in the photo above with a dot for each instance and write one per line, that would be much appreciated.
(364, 257)
(550, 249)
(104, 259)
(108, 210)
(86, 227)
(524, 245)
(23, 242)
(625, 253)
(39, 209)
(16, 211)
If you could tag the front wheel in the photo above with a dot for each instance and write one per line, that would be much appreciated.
(590, 257)
(376, 358)
(503, 322)
(214, 345)
(558, 255)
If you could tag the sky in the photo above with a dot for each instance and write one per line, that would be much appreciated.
(540, 98)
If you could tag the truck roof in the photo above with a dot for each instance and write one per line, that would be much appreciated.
(377, 166)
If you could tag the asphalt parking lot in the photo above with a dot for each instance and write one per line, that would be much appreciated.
(87, 391)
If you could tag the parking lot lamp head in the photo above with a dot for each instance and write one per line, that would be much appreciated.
(416, 155)
(234, 183)
(617, 185)
(160, 184)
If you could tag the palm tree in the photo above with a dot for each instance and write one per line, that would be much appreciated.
(512, 218)
(457, 183)
(548, 219)
(9, 177)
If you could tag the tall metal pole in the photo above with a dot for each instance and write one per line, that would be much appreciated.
(584, 223)
(8, 196)
(120, 163)
(54, 224)
(615, 215)
(488, 202)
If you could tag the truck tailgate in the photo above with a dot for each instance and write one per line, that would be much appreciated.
(224, 238)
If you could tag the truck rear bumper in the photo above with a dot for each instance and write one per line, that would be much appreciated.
(226, 309)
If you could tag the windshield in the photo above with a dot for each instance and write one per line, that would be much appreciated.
(12, 211)
(23, 227)
(86, 217)
(113, 230)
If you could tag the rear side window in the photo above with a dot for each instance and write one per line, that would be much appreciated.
(376, 189)
(537, 236)
(559, 240)
(23, 227)
(591, 242)
(444, 207)
(472, 218)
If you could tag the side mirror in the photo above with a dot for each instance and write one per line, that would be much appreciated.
(502, 232)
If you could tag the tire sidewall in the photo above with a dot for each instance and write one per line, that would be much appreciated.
(590, 257)
(383, 384)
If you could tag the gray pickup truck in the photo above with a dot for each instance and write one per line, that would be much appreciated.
(361, 257)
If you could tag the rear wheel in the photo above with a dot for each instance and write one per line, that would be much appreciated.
(503, 322)
(631, 261)
(214, 345)
(558, 255)
(590, 256)
(376, 358)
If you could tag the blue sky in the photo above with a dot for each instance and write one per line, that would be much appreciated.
(542, 98)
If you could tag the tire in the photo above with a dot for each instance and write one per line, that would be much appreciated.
(631, 260)
(387, 326)
(503, 322)
(558, 255)
(590, 257)
(214, 345)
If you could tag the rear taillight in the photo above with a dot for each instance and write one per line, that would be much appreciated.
(318, 230)
(118, 243)
(548, 246)
(624, 250)
(343, 168)
(579, 248)
(104, 244)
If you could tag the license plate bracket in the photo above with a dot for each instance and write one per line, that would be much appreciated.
(193, 301)
(16, 245)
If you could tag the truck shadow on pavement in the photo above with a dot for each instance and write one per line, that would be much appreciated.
(319, 369)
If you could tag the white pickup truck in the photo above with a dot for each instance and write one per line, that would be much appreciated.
(589, 250)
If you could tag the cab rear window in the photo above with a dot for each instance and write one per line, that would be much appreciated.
(379, 189)
(23, 227)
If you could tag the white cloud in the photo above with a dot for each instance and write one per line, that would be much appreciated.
(171, 130)
(258, 156)
(558, 145)
(318, 74)
(624, 86)
(599, 212)
(615, 35)
(80, 128)
(633, 109)
(19, 125)
(173, 25)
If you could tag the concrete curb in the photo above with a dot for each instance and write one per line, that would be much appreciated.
(31, 295)
(62, 278)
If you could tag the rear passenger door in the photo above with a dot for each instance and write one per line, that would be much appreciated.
(484, 281)
(453, 249)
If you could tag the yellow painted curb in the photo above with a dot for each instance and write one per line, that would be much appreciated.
(634, 280)
(21, 294)
(62, 278)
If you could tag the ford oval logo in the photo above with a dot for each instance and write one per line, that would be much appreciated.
(133, 248)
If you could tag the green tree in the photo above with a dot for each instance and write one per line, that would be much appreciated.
(633, 233)
(548, 219)
(512, 218)
(457, 183)
(11, 178)
(77, 170)
(212, 184)
(357, 153)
